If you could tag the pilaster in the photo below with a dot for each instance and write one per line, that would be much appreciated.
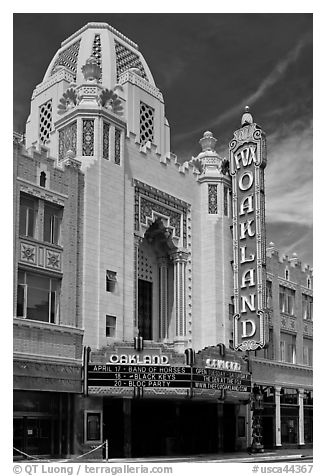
(278, 442)
(301, 417)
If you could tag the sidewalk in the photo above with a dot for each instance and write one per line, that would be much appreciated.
(238, 457)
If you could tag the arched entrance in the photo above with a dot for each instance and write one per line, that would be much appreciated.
(155, 282)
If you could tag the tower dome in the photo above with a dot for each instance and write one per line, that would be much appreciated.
(96, 72)
(114, 54)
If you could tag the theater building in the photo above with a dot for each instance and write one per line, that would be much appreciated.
(124, 277)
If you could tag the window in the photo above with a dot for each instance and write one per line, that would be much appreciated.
(269, 295)
(27, 215)
(38, 297)
(307, 305)
(146, 126)
(287, 274)
(307, 352)
(52, 223)
(287, 300)
(288, 348)
(42, 179)
(308, 282)
(111, 279)
(93, 426)
(289, 396)
(282, 351)
(110, 327)
(117, 146)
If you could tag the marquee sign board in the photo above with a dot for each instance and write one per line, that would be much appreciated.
(247, 163)
(166, 376)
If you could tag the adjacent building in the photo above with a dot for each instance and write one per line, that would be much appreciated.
(123, 278)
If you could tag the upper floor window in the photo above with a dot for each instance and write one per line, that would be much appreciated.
(287, 274)
(288, 348)
(287, 300)
(38, 297)
(27, 215)
(269, 295)
(111, 279)
(308, 282)
(307, 307)
(42, 179)
(146, 125)
(110, 326)
(52, 223)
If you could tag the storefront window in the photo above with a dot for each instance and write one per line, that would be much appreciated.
(289, 396)
(289, 429)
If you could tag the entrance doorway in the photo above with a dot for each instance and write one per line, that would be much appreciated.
(32, 435)
(229, 427)
(161, 427)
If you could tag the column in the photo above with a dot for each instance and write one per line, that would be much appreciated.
(179, 260)
(278, 441)
(137, 243)
(163, 297)
(301, 417)
(249, 426)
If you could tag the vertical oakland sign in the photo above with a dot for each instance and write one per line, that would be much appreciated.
(247, 163)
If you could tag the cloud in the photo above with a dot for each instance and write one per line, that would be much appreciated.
(292, 238)
(272, 78)
(289, 176)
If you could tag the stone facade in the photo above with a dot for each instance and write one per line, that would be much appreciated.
(144, 247)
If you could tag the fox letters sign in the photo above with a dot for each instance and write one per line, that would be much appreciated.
(247, 163)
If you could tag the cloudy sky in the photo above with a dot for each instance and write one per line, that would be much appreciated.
(208, 67)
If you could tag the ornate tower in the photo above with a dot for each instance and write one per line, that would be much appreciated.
(215, 244)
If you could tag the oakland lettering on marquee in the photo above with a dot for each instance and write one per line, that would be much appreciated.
(247, 163)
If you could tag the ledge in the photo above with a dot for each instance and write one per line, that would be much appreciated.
(21, 322)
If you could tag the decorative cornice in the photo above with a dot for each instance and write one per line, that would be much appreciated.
(56, 328)
(285, 365)
(37, 358)
(133, 78)
(100, 26)
(40, 192)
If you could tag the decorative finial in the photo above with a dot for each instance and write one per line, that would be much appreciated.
(208, 142)
(91, 70)
(246, 117)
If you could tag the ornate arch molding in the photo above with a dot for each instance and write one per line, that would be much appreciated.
(152, 204)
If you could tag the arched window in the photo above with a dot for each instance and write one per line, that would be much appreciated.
(42, 179)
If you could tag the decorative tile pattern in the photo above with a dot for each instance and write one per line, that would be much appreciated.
(146, 124)
(45, 121)
(68, 140)
(117, 146)
(126, 59)
(147, 206)
(28, 253)
(106, 140)
(212, 199)
(226, 194)
(88, 137)
(288, 323)
(97, 52)
(147, 197)
(40, 256)
(53, 260)
(68, 58)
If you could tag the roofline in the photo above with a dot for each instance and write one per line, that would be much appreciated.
(105, 26)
